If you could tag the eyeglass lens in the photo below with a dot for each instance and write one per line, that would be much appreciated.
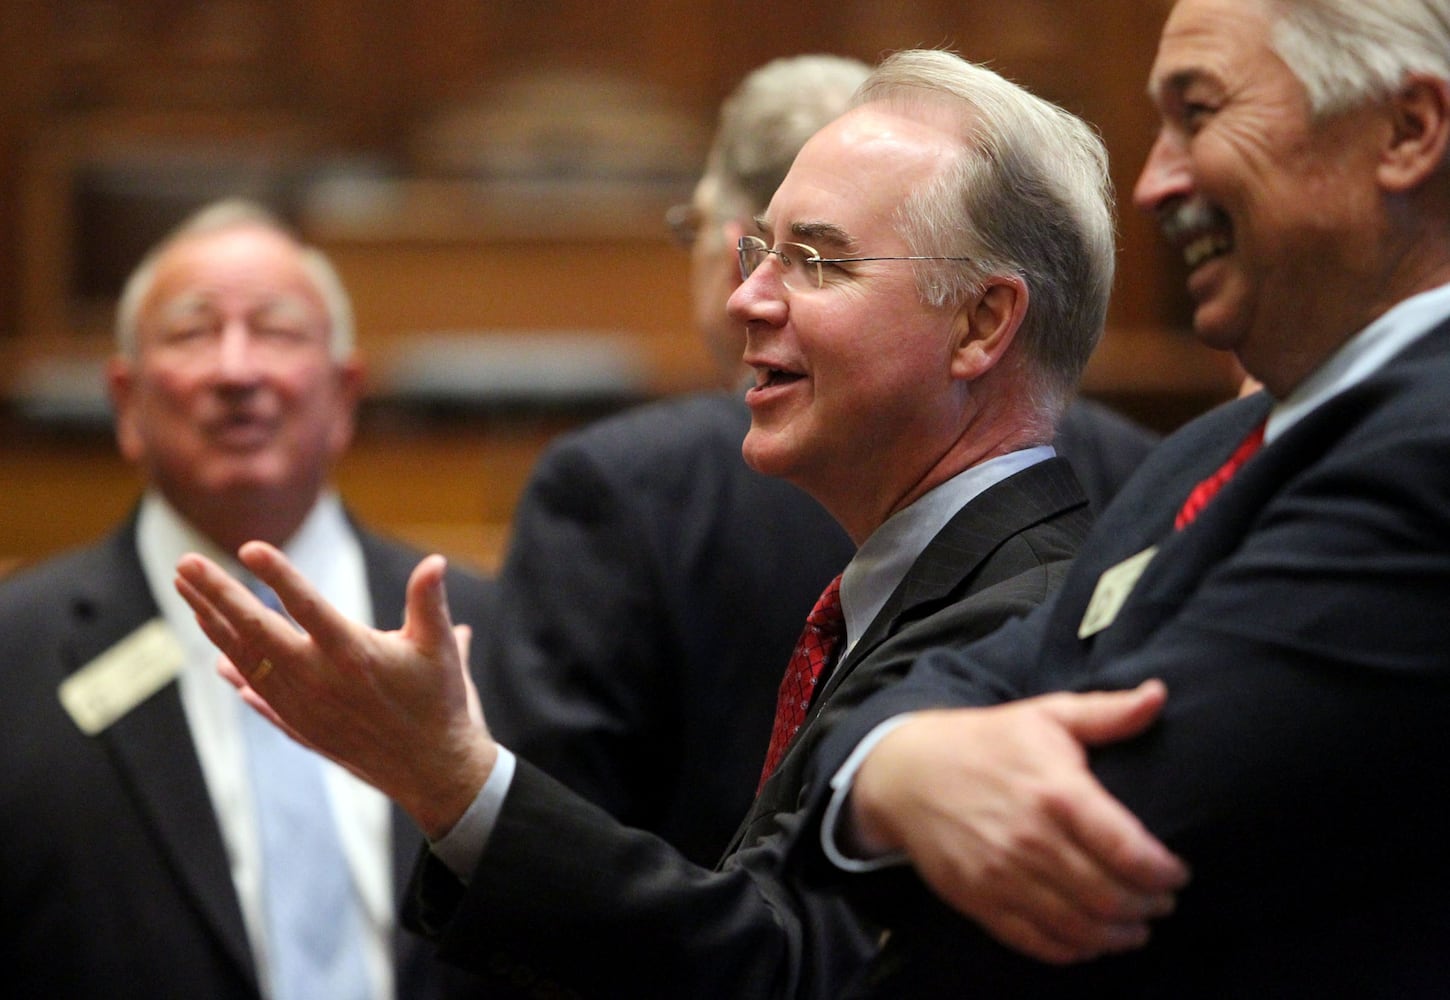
(754, 250)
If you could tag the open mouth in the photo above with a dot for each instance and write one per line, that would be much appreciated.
(1201, 231)
(770, 378)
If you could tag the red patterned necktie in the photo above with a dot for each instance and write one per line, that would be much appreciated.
(825, 626)
(1204, 491)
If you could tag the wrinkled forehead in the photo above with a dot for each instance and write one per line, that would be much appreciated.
(241, 270)
(1211, 40)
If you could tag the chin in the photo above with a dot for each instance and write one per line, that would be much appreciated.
(765, 455)
(1217, 327)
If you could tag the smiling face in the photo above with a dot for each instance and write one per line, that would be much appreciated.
(233, 405)
(1274, 213)
(854, 397)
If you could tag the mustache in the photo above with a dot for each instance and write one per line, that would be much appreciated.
(1190, 215)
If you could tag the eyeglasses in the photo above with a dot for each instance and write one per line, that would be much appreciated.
(753, 250)
(684, 222)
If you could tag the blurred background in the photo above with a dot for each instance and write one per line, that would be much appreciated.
(490, 177)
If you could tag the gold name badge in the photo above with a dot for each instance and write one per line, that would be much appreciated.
(122, 677)
(1112, 592)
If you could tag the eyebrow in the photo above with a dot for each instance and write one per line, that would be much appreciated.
(1173, 84)
(820, 234)
(191, 304)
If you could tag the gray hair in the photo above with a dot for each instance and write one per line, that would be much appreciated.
(1029, 195)
(767, 119)
(1346, 52)
(236, 213)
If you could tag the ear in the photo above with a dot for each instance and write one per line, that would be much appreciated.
(1420, 133)
(121, 387)
(986, 326)
(351, 381)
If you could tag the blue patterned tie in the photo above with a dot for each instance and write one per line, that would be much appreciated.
(314, 916)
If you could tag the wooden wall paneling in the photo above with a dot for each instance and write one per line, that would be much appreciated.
(23, 84)
(351, 72)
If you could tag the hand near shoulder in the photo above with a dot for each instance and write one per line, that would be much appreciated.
(998, 812)
(396, 708)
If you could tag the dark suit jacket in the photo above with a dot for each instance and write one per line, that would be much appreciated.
(654, 588)
(564, 892)
(114, 881)
(1300, 624)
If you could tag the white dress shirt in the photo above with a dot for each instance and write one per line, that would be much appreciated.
(326, 551)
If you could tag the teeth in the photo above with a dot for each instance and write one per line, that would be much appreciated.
(1203, 248)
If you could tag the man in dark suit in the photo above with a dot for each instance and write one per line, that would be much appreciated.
(133, 859)
(1281, 565)
(909, 364)
(655, 583)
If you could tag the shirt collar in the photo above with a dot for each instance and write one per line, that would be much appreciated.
(1361, 356)
(884, 558)
(324, 548)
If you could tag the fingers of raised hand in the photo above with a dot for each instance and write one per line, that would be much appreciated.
(250, 635)
(312, 613)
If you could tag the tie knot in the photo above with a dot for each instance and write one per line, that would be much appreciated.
(827, 614)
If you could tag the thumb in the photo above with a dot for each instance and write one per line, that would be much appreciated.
(1098, 717)
(427, 620)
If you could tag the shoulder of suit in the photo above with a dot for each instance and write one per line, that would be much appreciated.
(100, 563)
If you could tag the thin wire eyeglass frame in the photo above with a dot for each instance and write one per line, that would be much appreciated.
(752, 251)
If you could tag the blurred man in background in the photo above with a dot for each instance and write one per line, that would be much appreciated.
(155, 841)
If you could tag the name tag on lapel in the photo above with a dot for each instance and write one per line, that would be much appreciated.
(122, 677)
(1112, 592)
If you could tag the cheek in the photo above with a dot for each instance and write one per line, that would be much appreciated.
(168, 405)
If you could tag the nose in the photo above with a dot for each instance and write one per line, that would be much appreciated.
(758, 299)
(236, 361)
(1166, 174)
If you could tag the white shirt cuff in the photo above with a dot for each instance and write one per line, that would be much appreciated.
(461, 847)
(838, 836)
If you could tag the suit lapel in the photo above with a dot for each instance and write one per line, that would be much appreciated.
(953, 557)
(152, 750)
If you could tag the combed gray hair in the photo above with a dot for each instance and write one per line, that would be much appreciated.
(1346, 52)
(767, 119)
(237, 213)
(1029, 195)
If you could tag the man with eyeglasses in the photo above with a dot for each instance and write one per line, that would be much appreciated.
(915, 399)
(655, 584)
